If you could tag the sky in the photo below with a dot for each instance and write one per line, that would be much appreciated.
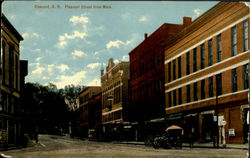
(65, 45)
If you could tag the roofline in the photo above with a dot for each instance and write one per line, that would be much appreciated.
(11, 27)
(150, 36)
(200, 21)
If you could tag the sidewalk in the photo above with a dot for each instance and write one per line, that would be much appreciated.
(196, 145)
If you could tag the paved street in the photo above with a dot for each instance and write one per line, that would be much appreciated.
(64, 147)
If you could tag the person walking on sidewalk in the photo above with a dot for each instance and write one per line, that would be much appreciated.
(191, 138)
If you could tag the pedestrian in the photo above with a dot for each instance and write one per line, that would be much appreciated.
(191, 138)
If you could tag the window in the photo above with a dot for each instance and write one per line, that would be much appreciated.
(174, 98)
(210, 83)
(218, 84)
(234, 80)
(210, 52)
(195, 92)
(179, 67)
(3, 61)
(245, 76)
(174, 68)
(194, 60)
(202, 57)
(245, 35)
(17, 68)
(169, 99)
(188, 93)
(179, 96)
(188, 64)
(218, 48)
(169, 71)
(202, 89)
(234, 41)
(11, 66)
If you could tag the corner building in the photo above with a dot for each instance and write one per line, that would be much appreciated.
(114, 84)
(206, 69)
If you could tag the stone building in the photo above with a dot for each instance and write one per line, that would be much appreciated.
(147, 76)
(206, 69)
(114, 84)
(84, 108)
(11, 132)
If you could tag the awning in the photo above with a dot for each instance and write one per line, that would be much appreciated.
(158, 120)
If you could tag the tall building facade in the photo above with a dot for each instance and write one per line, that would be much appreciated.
(114, 84)
(84, 107)
(147, 76)
(207, 69)
(11, 133)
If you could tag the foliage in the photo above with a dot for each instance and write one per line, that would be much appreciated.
(44, 107)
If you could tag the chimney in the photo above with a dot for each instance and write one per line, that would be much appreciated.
(145, 35)
(187, 21)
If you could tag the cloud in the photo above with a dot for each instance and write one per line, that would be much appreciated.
(38, 59)
(78, 53)
(94, 82)
(76, 79)
(83, 19)
(126, 16)
(197, 12)
(31, 35)
(63, 38)
(125, 58)
(95, 65)
(36, 50)
(143, 19)
(118, 43)
(50, 69)
(38, 70)
(63, 67)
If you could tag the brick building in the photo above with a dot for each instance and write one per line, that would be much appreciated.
(206, 69)
(147, 76)
(84, 108)
(11, 132)
(95, 116)
(114, 83)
